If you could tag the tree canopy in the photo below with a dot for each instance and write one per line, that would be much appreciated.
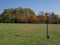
(27, 15)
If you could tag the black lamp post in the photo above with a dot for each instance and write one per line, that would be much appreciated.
(47, 29)
(47, 25)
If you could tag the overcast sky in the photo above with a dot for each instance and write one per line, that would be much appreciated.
(35, 5)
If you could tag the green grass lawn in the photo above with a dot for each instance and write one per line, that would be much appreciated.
(29, 34)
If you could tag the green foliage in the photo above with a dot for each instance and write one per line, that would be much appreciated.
(16, 15)
(26, 15)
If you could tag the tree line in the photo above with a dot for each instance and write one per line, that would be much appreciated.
(26, 15)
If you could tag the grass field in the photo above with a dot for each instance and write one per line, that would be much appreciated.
(29, 34)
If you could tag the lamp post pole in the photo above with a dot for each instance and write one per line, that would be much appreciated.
(47, 29)
(47, 25)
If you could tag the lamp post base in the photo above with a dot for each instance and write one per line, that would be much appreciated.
(47, 36)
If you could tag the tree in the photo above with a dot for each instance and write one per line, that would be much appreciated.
(54, 17)
(16, 15)
(33, 19)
